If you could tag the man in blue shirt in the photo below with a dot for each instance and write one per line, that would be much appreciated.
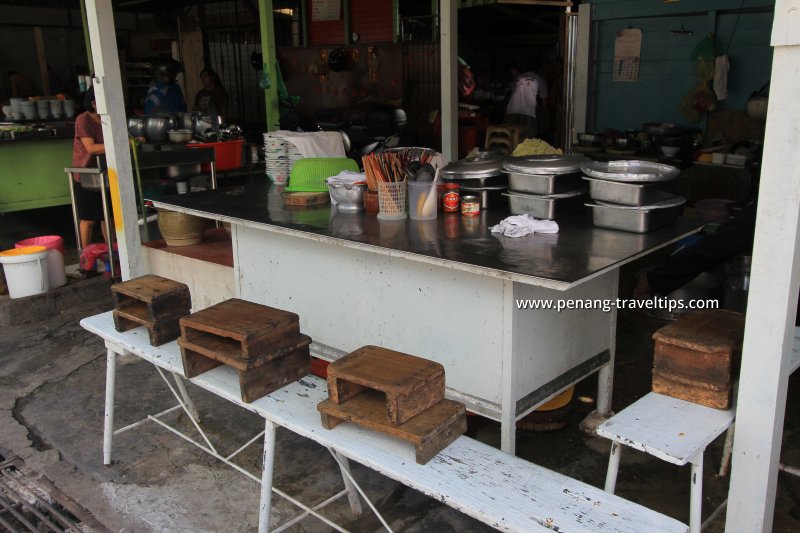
(165, 95)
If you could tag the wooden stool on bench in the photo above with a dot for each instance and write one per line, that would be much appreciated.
(263, 344)
(394, 393)
(671, 429)
(153, 302)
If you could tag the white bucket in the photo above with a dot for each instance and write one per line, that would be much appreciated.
(26, 271)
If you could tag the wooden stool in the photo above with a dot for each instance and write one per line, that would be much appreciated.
(504, 132)
(153, 302)
(263, 344)
(671, 429)
(697, 357)
(394, 393)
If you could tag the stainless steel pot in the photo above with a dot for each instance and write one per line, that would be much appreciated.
(157, 126)
(136, 126)
(204, 122)
(186, 120)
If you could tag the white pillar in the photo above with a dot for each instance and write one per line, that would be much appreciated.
(773, 292)
(448, 26)
(111, 107)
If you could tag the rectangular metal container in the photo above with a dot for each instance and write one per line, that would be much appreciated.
(546, 207)
(633, 194)
(633, 220)
(543, 183)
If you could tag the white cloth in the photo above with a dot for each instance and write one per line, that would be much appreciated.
(315, 143)
(523, 98)
(721, 67)
(542, 84)
(521, 225)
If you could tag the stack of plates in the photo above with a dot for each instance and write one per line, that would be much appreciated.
(630, 195)
(280, 156)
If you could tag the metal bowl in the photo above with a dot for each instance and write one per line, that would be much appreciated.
(179, 136)
(136, 126)
(348, 197)
(591, 139)
(157, 126)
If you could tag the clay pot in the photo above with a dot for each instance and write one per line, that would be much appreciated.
(180, 229)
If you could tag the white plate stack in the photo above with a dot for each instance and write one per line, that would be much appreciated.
(279, 156)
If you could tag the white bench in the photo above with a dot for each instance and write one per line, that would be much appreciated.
(501, 490)
(675, 431)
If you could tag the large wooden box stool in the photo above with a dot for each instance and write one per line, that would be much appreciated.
(394, 393)
(697, 357)
(262, 343)
(153, 302)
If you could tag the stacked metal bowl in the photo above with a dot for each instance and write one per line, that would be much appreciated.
(631, 195)
(545, 186)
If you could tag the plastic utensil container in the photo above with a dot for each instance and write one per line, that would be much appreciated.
(392, 200)
(227, 154)
(26, 271)
(422, 200)
(55, 257)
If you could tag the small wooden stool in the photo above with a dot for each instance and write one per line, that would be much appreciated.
(153, 302)
(697, 357)
(262, 343)
(671, 429)
(394, 393)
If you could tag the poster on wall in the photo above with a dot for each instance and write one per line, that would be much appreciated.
(627, 51)
(326, 10)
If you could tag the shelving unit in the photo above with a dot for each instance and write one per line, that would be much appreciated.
(138, 77)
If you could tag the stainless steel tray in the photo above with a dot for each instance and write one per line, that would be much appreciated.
(543, 183)
(633, 220)
(630, 171)
(633, 194)
(546, 207)
(546, 164)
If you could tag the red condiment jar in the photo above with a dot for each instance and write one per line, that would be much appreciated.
(451, 199)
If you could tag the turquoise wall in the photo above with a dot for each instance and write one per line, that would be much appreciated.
(666, 71)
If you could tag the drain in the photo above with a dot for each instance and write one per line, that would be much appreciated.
(25, 505)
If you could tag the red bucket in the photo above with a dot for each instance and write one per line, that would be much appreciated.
(51, 242)
(228, 154)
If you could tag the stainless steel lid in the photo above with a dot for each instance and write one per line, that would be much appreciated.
(546, 164)
(484, 164)
(568, 194)
(630, 171)
(675, 201)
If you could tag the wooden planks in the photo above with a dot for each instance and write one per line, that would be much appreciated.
(153, 302)
(263, 344)
(697, 357)
(395, 393)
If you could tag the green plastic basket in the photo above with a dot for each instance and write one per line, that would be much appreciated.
(309, 175)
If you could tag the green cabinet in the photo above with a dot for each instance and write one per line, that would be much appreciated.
(32, 173)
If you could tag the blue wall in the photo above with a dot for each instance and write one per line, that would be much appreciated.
(666, 71)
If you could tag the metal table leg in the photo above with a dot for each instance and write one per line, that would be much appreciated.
(266, 477)
(108, 426)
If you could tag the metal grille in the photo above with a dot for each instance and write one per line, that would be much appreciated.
(422, 84)
(26, 506)
(232, 35)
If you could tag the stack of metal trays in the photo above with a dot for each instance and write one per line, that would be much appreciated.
(481, 175)
(545, 186)
(630, 195)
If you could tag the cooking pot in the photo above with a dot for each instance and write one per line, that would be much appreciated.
(205, 122)
(483, 165)
(136, 126)
(185, 120)
(157, 126)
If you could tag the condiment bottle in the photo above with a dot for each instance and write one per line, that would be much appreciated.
(451, 199)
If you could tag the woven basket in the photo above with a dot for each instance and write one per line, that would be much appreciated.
(180, 229)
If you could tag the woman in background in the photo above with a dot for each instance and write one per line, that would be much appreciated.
(86, 146)
(212, 98)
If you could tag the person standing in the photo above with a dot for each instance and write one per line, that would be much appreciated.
(212, 98)
(87, 145)
(165, 95)
(522, 104)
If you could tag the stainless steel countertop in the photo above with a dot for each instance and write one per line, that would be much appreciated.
(577, 253)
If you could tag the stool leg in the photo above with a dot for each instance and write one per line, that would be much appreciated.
(352, 493)
(613, 467)
(696, 505)
(266, 477)
(185, 395)
(108, 424)
(727, 450)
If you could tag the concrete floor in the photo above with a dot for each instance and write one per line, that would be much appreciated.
(52, 377)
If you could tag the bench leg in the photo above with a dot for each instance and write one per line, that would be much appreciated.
(613, 467)
(185, 395)
(266, 477)
(696, 502)
(727, 451)
(108, 424)
(352, 493)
